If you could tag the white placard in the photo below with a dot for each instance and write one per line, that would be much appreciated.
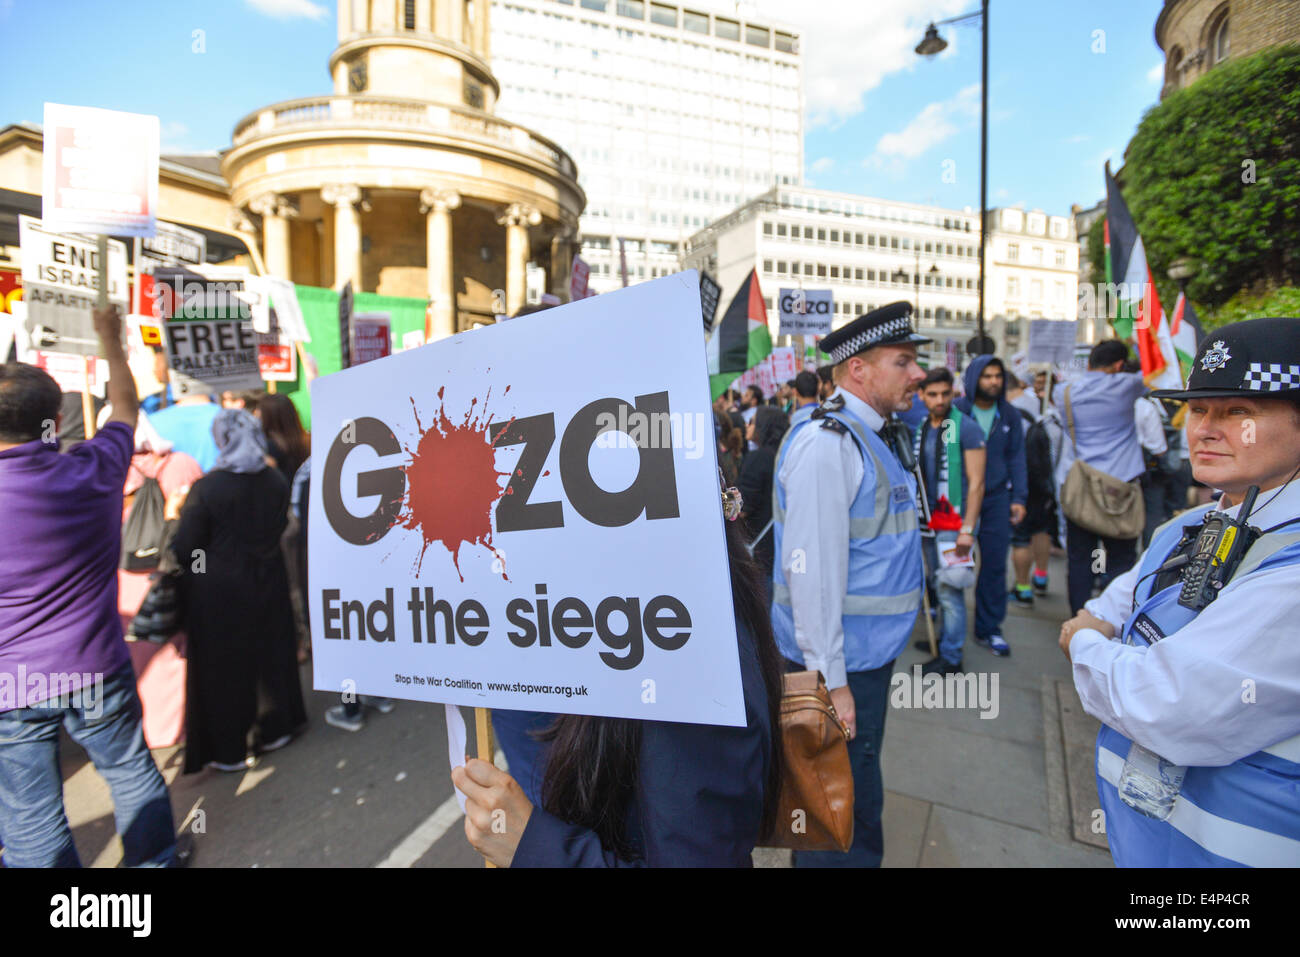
(173, 245)
(60, 285)
(582, 571)
(1052, 340)
(207, 329)
(805, 312)
(100, 171)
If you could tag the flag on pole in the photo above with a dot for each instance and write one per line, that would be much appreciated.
(1138, 314)
(741, 340)
(1186, 334)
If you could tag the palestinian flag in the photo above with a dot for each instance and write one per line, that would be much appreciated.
(1186, 334)
(741, 340)
(1138, 315)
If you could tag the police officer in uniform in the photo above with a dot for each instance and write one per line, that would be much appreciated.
(847, 585)
(1190, 659)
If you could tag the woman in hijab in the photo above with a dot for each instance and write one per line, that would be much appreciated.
(243, 670)
(765, 430)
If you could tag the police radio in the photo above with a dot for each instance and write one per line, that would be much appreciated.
(1218, 550)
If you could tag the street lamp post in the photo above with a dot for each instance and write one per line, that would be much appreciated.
(932, 44)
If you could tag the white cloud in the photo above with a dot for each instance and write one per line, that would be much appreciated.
(850, 46)
(823, 164)
(289, 9)
(1077, 138)
(1156, 73)
(934, 124)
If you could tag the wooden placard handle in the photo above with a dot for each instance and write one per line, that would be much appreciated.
(485, 744)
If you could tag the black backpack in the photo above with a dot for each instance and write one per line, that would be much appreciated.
(1038, 457)
(144, 534)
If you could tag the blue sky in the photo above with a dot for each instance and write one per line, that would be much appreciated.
(881, 121)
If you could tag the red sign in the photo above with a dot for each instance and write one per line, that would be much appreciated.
(578, 279)
(277, 360)
(11, 289)
(372, 337)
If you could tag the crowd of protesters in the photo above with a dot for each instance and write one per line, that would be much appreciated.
(207, 495)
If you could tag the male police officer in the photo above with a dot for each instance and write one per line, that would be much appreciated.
(848, 583)
(1198, 761)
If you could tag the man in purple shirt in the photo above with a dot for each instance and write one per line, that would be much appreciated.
(63, 661)
(1105, 436)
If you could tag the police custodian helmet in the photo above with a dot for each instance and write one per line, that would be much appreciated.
(889, 325)
(1258, 357)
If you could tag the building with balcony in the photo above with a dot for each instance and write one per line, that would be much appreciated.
(1032, 271)
(869, 252)
(677, 113)
(402, 181)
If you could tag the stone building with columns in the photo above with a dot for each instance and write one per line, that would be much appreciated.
(402, 181)
(1198, 35)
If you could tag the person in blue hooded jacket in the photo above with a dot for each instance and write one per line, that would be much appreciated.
(1005, 490)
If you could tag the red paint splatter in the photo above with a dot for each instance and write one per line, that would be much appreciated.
(452, 483)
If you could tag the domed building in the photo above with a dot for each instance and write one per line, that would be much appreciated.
(402, 181)
(1197, 35)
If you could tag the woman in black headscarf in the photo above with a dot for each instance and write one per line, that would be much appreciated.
(765, 430)
(243, 670)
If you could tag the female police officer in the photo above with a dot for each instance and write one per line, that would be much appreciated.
(1198, 759)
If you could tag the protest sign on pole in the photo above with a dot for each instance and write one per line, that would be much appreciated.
(1052, 340)
(100, 171)
(345, 325)
(578, 276)
(573, 559)
(710, 292)
(805, 312)
(372, 337)
(207, 329)
(784, 365)
(276, 359)
(61, 277)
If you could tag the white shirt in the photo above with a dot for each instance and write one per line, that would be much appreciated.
(748, 416)
(1183, 697)
(821, 475)
(1150, 426)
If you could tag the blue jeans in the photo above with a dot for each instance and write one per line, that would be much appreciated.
(33, 824)
(952, 602)
(994, 537)
(871, 702)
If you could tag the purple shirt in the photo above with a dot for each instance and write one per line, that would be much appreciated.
(60, 544)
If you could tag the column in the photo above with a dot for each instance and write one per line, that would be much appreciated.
(561, 261)
(481, 46)
(240, 223)
(454, 11)
(275, 211)
(516, 218)
(437, 205)
(344, 197)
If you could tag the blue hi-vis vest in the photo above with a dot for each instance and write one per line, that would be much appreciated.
(885, 576)
(1246, 814)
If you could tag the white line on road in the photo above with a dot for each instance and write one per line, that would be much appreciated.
(416, 844)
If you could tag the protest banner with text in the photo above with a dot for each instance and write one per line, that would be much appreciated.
(527, 516)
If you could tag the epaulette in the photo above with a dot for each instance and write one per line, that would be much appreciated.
(834, 425)
(834, 404)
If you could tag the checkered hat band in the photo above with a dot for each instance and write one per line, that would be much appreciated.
(1271, 377)
(901, 326)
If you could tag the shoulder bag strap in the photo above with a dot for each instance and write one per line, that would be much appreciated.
(1069, 418)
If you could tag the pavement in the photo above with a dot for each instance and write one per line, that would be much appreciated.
(1014, 789)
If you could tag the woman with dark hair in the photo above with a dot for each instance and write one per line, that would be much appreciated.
(619, 792)
(766, 430)
(731, 446)
(286, 440)
(243, 676)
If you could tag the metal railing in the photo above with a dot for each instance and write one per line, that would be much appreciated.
(394, 112)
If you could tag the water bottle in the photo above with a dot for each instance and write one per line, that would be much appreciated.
(1149, 784)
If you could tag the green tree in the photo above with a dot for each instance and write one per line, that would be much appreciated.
(1213, 173)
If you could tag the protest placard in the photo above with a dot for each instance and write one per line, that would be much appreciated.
(60, 283)
(1051, 340)
(276, 359)
(805, 312)
(578, 276)
(784, 365)
(207, 329)
(710, 292)
(527, 516)
(372, 337)
(100, 171)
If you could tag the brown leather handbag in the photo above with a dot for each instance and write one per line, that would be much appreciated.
(816, 808)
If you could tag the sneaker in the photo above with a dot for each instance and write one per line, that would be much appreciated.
(275, 745)
(382, 705)
(339, 718)
(1040, 584)
(937, 666)
(996, 644)
(921, 644)
(184, 855)
(229, 768)
(1023, 596)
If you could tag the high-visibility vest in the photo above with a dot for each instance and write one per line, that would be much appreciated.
(1244, 814)
(885, 575)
